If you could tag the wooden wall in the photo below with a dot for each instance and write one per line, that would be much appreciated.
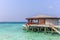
(41, 21)
(53, 21)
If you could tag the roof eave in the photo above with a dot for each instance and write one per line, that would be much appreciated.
(42, 18)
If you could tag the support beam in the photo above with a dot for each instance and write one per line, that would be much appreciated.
(28, 28)
(52, 31)
(44, 29)
(38, 29)
(32, 28)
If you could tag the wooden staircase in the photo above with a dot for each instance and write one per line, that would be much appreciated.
(53, 27)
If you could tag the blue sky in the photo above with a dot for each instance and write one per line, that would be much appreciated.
(18, 10)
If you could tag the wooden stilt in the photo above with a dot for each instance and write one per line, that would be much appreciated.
(32, 28)
(38, 29)
(52, 31)
(28, 28)
(45, 29)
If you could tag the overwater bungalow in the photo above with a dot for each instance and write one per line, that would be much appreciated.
(43, 22)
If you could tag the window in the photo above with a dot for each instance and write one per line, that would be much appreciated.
(35, 21)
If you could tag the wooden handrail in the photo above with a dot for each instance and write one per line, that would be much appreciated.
(53, 27)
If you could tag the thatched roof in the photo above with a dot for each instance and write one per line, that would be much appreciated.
(42, 16)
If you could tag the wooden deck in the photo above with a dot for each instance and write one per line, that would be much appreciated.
(45, 28)
(36, 25)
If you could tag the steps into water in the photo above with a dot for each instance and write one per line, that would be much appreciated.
(53, 27)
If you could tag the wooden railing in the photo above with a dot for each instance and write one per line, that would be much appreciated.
(54, 28)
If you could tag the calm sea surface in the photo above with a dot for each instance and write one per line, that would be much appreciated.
(14, 31)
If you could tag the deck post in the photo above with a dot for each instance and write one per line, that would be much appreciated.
(28, 27)
(45, 29)
(52, 31)
(38, 29)
(32, 28)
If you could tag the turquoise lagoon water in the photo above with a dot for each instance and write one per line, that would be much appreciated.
(12, 31)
